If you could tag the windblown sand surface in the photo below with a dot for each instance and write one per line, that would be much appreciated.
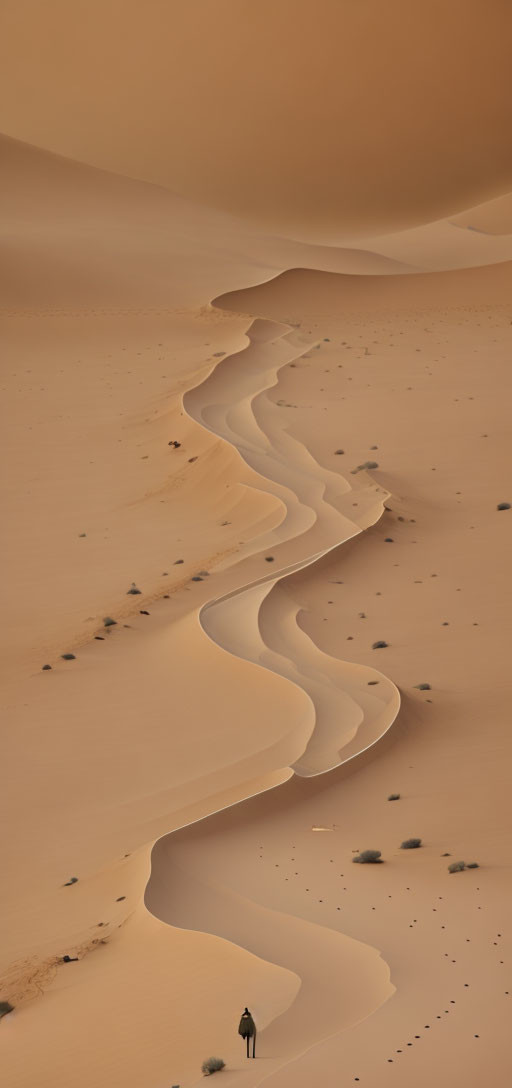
(271, 394)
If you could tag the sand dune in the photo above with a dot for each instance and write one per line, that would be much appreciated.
(257, 843)
(345, 120)
(204, 349)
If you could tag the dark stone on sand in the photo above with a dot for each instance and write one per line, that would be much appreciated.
(5, 1008)
(70, 959)
(269, 559)
(99, 638)
(109, 622)
(72, 880)
(388, 540)
(120, 900)
(503, 506)
(82, 534)
(379, 645)
(338, 452)
(423, 687)
(46, 668)
(133, 591)
(371, 683)
(143, 612)
(176, 561)
(196, 578)
(394, 797)
(68, 657)
(410, 844)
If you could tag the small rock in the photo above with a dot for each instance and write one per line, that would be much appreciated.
(422, 687)
(269, 558)
(143, 612)
(338, 452)
(109, 622)
(176, 561)
(503, 506)
(379, 645)
(68, 657)
(133, 591)
(72, 880)
(46, 668)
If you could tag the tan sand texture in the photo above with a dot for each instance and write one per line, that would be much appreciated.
(253, 250)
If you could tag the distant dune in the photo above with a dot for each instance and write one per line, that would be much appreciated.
(256, 283)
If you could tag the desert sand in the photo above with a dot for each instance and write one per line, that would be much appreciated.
(256, 327)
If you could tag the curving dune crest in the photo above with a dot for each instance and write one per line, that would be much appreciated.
(316, 503)
(259, 624)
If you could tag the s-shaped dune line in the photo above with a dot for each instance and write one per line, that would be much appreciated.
(257, 622)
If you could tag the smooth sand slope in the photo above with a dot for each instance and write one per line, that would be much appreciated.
(342, 119)
(207, 455)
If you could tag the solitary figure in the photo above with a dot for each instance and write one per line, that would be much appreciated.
(247, 1029)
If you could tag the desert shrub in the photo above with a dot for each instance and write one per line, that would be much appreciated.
(5, 1007)
(369, 857)
(212, 1065)
(456, 866)
(394, 797)
(410, 844)
(472, 865)
(366, 464)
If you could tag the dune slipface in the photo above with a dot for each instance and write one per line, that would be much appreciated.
(256, 313)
